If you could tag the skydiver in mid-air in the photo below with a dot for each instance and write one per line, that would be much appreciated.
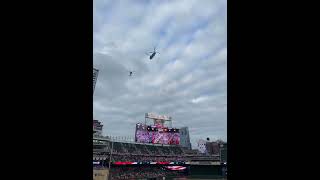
(131, 73)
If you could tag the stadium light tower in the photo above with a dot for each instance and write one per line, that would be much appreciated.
(95, 77)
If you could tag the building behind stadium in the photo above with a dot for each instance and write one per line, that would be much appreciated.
(218, 147)
(185, 138)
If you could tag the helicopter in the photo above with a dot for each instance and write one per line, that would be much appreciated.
(153, 53)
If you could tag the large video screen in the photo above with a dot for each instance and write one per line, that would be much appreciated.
(157, 135)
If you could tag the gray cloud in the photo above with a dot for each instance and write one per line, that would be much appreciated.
(187, 80)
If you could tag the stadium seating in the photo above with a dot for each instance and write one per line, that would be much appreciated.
(130, 148)
(134, 152)
(142, 172)
(118, 148)
(143, 149)
(153, 149)
(165, 150)
(177, 150)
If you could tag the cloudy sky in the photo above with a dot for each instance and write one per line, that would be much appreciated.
(187, 80)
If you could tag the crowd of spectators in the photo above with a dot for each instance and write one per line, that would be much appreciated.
(132, 152)
(143, 172)
(127, 157)
(153, 149)
(131, 148)
(165, 150)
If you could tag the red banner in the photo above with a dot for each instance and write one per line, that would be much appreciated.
(176, 168)
(123, 163)
(129, 163)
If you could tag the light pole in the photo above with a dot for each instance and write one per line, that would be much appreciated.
(110, 155)
(109, 175)
(95, 77)
(220, 148)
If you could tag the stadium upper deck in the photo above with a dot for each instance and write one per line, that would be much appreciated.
(131, 151)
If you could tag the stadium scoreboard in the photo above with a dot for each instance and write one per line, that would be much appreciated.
(157, 134)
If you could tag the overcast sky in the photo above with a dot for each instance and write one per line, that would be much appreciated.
(187, 80)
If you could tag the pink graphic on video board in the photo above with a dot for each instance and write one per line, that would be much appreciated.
(156, 135)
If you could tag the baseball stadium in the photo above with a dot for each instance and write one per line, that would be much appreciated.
(157, 151)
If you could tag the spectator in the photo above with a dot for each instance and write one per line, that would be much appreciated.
(143, 172)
